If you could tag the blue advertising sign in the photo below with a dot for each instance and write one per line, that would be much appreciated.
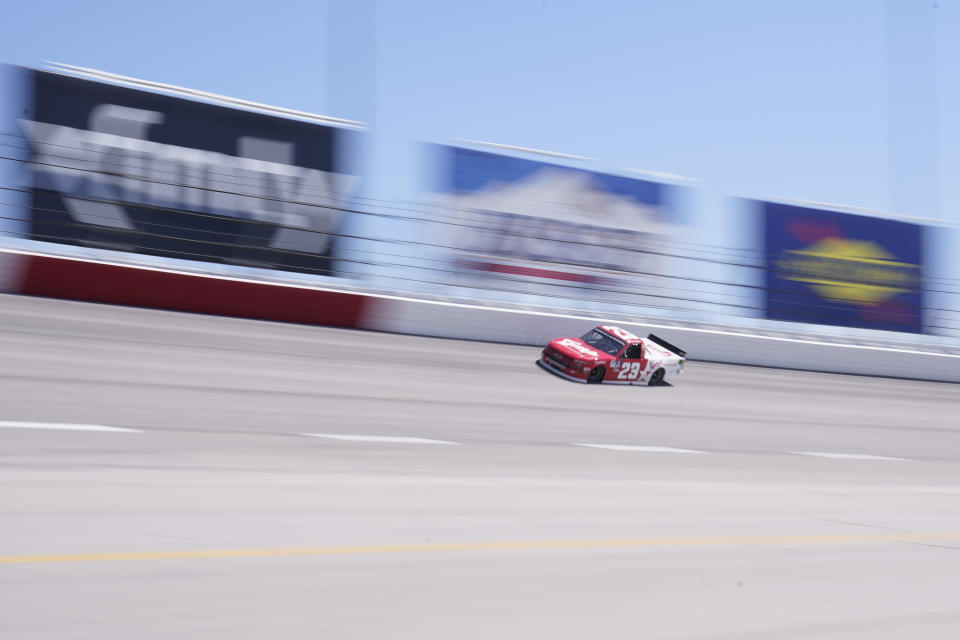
(548, 229)
(827, 267)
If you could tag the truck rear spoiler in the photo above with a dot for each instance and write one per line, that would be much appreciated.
(666, 345)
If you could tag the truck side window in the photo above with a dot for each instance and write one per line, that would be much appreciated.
(634, 352)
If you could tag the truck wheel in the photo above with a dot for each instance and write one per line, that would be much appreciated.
(596, 375)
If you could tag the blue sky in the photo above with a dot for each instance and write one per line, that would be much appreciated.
(852, 102)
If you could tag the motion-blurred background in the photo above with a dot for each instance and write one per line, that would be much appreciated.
(629, 158)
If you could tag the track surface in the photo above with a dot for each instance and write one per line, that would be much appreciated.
(592, 542)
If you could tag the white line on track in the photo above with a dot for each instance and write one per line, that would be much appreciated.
(64, 426)
(392, 439)
(634, 447)
(848, 456)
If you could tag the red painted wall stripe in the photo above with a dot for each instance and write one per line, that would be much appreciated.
(114, 284)
(531, 271)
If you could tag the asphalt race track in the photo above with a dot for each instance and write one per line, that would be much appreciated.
(157, 484)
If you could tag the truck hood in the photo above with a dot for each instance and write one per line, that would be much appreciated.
(579, 350)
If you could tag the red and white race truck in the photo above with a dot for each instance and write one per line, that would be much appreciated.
(611, 355)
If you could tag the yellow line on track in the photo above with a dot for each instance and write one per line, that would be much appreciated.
(519, 545)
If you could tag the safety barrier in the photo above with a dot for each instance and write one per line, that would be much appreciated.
(163, 288)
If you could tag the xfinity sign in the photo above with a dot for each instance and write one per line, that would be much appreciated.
(136, 171)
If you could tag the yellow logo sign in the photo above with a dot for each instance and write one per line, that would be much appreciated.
(856, 271)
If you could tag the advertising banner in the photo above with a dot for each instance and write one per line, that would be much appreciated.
(827, 267)
(532, 227)
(131, 170)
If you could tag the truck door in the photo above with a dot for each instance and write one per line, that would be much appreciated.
(632, 362)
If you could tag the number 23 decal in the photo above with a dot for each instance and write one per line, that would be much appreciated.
(629, 371)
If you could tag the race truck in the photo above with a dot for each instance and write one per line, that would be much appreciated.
(611, 355)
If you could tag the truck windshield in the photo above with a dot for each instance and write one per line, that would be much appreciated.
(603, 342)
